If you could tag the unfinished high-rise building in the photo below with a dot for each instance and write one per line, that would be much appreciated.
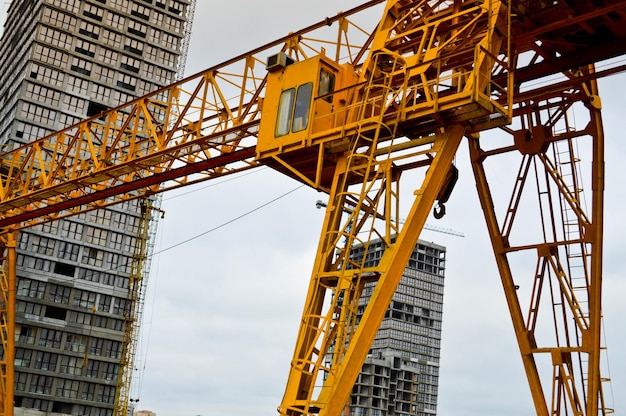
(63, 61)
(400, 375)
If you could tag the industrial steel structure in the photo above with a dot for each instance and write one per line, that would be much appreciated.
(347, 110)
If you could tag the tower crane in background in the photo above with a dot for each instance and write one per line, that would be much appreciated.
(134, 303)
(348, 110)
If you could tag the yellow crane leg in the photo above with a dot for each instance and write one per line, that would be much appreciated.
(524, 339)
(592, 338)
(564, 290)
(315, 341)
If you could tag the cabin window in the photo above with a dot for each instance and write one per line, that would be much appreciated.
(285, 107)
(303, 105)
(293, 110)
(326, 85)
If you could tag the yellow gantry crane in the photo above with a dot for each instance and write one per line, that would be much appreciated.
(347, 110)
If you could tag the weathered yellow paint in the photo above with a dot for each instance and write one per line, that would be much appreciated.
(325, 113)
(434, 72)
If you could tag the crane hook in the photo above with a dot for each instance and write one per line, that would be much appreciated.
(439, 211)
(444, 193)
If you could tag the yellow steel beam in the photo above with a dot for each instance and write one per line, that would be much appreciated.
(592, 337)
(565, 286)
(337, 388)
(525, 341)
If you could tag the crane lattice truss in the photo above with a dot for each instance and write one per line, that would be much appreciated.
(134, 307)
(403, 97)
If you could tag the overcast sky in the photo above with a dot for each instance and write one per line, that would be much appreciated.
(222, 312)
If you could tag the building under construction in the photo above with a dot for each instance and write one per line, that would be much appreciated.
(400, 375)
(79, 279)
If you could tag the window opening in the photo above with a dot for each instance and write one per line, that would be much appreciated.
(293, 110)
(326, 85)
(303, 104)
(284, 112)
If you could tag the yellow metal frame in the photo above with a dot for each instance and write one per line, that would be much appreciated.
(330, 347)
(199, 128)
(431, 73)
(565, 286)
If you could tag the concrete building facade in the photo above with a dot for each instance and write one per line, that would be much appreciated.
(401, 373)
(63, 61)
